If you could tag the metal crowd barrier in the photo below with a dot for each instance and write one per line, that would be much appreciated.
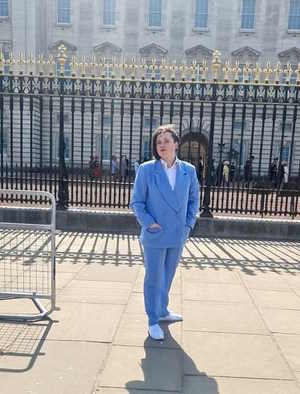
(27, 260)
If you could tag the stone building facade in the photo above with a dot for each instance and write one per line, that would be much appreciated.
(245, 30)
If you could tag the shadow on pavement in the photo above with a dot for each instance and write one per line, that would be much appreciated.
(160, 374)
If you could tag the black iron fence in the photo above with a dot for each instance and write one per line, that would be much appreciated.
(82, 138)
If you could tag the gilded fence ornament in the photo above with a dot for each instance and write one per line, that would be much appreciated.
(143, 68)
(92, 66)
(2, 62)
(173, 70)
(62, 58)
(256, 73)
(268, 72)
(51, 65)
(31, 64)
(226, 71)
(246, 73)
(203, 70)
(236, 71)
(216, 65)
(133, 68)
(297, 72)
(41, 64)
(74, 66)
(10, 62)
(288, 71)
(83, 66)
(163, 68)
(193, 70)
(277, 73)
(152, 68)
(123, 67)
(182, 70)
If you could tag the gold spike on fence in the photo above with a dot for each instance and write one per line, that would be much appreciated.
(207, 70)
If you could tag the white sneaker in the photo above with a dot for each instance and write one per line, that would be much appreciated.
(155, 332)
(171, 318)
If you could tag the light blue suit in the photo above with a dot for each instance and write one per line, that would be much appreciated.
(154, 201)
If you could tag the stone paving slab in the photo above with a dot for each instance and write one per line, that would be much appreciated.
(290, 345)
(275, 299)
(109, 273)
(136, 303)
(96, 292)
(62, 367)
(144, 368)
(286, 321)
(221, 292)
(235, 355)
(210, 275)
(222, 317)
(85, 322)
(209, 385)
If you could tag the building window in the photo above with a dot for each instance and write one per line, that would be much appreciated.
(248, 14)
(285, 150)
(109, 12)
(5, 53)
(3, 8)
(294, 15)
(67, 146)
(64, 11)
(201, 14)
(154, 15)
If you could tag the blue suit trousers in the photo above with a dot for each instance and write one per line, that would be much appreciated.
(160, 267)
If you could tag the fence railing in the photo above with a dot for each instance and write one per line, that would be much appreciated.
(83, 137)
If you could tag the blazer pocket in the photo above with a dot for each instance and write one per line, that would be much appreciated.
(154, 230)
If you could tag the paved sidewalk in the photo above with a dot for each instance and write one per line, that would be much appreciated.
(241, 331)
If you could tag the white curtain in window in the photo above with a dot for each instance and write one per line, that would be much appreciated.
(63, 11)
(201, 13)
(4, 8)
(155, 13)
(294, 15)
(248, 14)
(109, 12)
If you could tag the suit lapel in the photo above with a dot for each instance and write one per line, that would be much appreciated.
(164, 187)
(180, 184)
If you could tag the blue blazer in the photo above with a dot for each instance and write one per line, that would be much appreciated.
(154, 201)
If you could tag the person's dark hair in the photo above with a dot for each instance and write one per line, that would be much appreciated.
(167, 128)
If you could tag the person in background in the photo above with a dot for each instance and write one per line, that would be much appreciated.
(165, 201)
(136, 167)
(114, 167)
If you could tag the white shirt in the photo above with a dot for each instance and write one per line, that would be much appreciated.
(170, 171)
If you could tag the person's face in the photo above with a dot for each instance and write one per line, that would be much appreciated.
(165, 146)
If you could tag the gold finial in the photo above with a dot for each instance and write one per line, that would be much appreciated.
(203, 70)
(143, 67)
(153, 67)
(298, 74)
(193, 69)
(173, 69)
(62, 57)
(216, 64)
(40, 63)
(236, 71)
(123, 66)
(256, 73)
(83, 66)
(2, 61)
(92, 65)
(288, 71)
(268, 71)
(10, 61)
(73, 65)
(182, 70)
(226, 71)
(133, 67)
(277, 72)
(51, 64)
(163, 68)
(246, 73)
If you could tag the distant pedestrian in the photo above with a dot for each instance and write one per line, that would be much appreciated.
(200, 170)
(248, 170)
(225, 173)
(114, 167)
(273, 171)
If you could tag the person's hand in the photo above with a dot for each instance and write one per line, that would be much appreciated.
(155, 226)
